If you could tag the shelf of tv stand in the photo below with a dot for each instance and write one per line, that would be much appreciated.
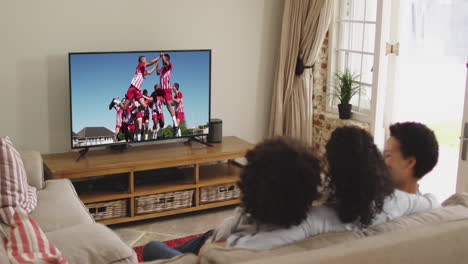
(219, 174)
(102, 196)
(168, 213)
(184, 183)
(207, 166)
(209, 175)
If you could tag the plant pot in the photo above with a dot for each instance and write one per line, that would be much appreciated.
(344, 111)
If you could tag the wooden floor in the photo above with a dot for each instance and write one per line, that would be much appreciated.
(171, 227)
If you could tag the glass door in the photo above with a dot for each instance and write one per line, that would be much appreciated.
(426, 78)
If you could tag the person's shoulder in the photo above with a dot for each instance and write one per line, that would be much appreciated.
(324, 218)
(141, 65)
(399, 194)
(414, 201)
(432, 198)
(321, 212)
(397, 197)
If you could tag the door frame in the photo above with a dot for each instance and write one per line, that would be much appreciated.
(462, 181)
(379, 84)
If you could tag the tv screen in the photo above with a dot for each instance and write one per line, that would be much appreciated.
(127, 97)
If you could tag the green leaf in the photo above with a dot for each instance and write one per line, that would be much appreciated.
(346, 86)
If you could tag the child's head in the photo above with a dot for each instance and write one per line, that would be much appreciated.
(410, 152)
(280, 181)
(145, 92)
(142, 59)
(358, 179)
(168, 57)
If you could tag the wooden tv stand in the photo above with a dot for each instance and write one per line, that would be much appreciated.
(199, 171)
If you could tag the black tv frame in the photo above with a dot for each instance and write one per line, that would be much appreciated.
(138, 142)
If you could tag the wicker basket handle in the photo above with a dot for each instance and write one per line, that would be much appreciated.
(166, 200)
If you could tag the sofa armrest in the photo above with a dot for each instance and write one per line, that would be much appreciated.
(92, 244)
(460, 198)
(32, 161)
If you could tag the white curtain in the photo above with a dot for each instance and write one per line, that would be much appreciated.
(305, 24)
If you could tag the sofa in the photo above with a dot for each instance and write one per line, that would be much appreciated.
(67, 223)
(436, 236)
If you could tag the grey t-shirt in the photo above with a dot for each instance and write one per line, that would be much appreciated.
(240, 231)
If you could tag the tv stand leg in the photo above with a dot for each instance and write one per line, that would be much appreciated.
(82, 153)
(199, 140)
(120, 147)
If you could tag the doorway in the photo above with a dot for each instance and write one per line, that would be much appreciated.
(426, 80)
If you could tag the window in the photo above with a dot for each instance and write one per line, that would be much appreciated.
(352, 46)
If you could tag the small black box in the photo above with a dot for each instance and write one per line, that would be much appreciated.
(215, 134)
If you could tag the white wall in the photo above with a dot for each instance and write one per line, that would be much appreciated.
(36, 37)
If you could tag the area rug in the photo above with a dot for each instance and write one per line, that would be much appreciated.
(172, 243)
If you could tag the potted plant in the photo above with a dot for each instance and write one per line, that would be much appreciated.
(346, 86)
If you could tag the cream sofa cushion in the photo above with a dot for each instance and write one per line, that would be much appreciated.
(58, 206)
(214, 254)
(429, 244)
(91, 244)
(33, 165)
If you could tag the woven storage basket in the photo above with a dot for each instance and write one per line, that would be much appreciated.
(107, 210)
(163, 202)
(222, 192)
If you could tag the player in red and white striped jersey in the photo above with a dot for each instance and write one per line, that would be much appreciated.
(146, 114)
(138, 119)
(134, 91)
(179, 107)
(118, 122)
(128, 125)
(157, 108)
(165, 81)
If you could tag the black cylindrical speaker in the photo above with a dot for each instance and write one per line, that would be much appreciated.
(215, 134)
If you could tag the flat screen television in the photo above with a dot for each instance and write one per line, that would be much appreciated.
(138, 96)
